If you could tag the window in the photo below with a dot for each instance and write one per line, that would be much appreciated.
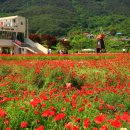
(7, 35)
(14, 20)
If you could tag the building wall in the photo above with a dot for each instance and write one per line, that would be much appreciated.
(5, 43)
(13, 24)
(21, 24)
(16, 50)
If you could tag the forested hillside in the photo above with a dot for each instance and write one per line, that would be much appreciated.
(57, 17)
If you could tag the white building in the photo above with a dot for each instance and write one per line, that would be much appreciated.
(14, 37)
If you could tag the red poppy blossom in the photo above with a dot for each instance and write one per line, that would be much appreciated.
(101, 102)
(110, 107)
(34, 102)
(6, 122)
(125, 117)
(40, 128)
(47, 113)
(2, 113)
(116, 123)
(104, 127)
(69, 125)
(59, 116)
(24, 124)
(80, 109)
(63, 109)
(85, 101)
(36, 112)
(74, 105)
(86, 123)
(8, 128)
(75, 128)
(100, 107)
(66, 99)
(52, 108)
(99, 119)
(77, 120)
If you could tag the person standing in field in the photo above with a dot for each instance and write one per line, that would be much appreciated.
(100, 43)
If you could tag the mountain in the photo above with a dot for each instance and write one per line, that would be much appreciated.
(57, 17)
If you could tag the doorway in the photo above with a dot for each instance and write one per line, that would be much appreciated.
(5, 50)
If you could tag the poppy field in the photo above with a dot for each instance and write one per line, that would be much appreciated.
(65, 92)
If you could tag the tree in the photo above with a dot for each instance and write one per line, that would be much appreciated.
(35, 37)
(113, 32)
(81, 40)
(65, 44)
(49, 40)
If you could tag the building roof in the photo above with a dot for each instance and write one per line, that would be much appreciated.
(118, 33)
(10, 17)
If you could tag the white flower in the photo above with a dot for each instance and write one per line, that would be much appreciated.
(123, 129)
(68, 85)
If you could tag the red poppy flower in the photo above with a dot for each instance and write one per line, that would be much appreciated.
(101, 102)
(69, 126)
(34, 102)
(85, 101)
(86, 123)
(116, 123)
(8, 128)
(75, 128)
(59, 116)
(125, 117)
(52, 108)
(6, 122)
(80, 109)
(47, 113)
(104, 127)
(40, 128)
(73, 103)
(110, 107)
(66, 99)
(99, 119)
(24, 124)
(36, 112)
(77, 120)
(2, 113)
(63, 109)
(100, 107)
